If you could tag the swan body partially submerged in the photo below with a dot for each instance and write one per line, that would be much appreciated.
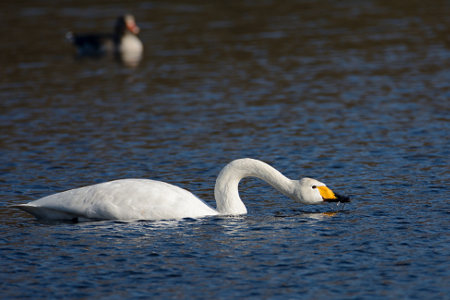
(145, 199)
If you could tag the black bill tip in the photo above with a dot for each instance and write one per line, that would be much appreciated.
(339, 198)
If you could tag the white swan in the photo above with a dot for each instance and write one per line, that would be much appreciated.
(145, 199)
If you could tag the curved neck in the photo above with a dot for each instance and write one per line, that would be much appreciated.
(226, 189)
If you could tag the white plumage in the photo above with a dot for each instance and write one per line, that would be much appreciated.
(145, 199)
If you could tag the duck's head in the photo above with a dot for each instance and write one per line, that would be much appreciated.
(312, 191)
(126, 23)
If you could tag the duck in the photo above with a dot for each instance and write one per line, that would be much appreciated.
(147, 199)
(123, 42)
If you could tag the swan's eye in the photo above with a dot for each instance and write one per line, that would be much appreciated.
(314, 187)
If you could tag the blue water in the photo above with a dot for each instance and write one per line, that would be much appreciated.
(353, 94)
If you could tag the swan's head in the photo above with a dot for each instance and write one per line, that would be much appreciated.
(311, 191)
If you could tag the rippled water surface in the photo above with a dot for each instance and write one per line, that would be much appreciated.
(353, 93)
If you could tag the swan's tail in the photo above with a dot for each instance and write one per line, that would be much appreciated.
(46, 213)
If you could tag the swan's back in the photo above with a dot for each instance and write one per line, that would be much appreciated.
(125, 199)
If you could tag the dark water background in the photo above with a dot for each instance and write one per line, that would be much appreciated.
(353, 93)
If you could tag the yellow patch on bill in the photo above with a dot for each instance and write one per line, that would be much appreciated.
(326, 193)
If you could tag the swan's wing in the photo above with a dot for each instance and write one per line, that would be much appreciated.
(126, 199)
(41, 212)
